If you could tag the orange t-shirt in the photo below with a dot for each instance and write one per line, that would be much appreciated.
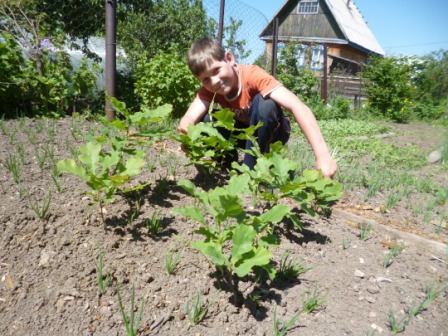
(253, 80)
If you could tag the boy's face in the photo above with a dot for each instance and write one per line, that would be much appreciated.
(221, 76)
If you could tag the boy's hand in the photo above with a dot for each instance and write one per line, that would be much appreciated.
(182, 130)
(327, 166)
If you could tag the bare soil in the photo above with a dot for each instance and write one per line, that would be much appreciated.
(48, 268)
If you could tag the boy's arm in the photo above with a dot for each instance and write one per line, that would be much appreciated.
(194, 114)
(308, 124)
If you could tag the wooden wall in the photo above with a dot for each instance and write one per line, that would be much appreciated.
(320, 25)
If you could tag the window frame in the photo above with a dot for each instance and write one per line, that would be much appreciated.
(308, 7)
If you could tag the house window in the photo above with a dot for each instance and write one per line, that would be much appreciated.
(317, 57)
(308, 7)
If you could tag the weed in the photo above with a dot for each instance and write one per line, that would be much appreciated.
(103, 281)
(290, 269)
(154, 224)
(32, 135)
(365, 230)
(3, 127)
(255, 297)
(51, 131)
(22, 153)
(172, 260)
(12, 136)
(395, 325)
(131, 325)
(41, 156)
(75, 130)
(431, 293)
(195, 310)
(40, 210)
(371, 332)
(312, 300)
(280, 329)
(13, 165)
(55, 177)
(394, 251)
(345, 243)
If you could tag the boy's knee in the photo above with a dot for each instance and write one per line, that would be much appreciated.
(267, 109)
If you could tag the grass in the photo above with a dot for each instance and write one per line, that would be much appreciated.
(172, 260)
(196, 310)
(40, 209)
(130, 323)
(431, 293)
(281, 329)
(13, 164)
(289, 269)
(394, 251)
(102, 280)
(365, 230)
(375, 169)
(154, 223)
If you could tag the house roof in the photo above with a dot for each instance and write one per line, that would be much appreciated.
(349, 19)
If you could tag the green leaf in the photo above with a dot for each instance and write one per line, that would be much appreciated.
(190, 212)
(271, 240)
(275, 214)
(225, 118)
(243, 239)
(90, 156)
(257, 257)
(238, 184)
(211, 250)
(133, 165)
(70, 166)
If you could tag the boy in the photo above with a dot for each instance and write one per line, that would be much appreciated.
(253, 95)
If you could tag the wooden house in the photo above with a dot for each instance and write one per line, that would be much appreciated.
(332, 33)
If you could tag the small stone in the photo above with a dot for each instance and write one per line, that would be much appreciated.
(359, 274)
(361, 260)
(377, 328)
(435, 156)
(373, 289)
(45, 258)
(372, 314)
(370, 299)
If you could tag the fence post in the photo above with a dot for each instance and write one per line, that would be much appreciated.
(324, 83)
(274, 47)
(221, 20)
(111, 55)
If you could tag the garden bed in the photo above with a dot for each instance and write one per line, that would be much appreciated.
(48, 268)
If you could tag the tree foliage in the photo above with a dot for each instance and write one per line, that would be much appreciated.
(301, 81)
(432, 79)
(388, 87)
(147, 27)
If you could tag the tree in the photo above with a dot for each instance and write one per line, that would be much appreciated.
(237, 47)
(153, 26)
(432, 79)
(27, 27)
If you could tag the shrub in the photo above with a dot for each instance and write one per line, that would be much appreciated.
(337, 108)
(387, 84)
(11, 61)
(166, 79)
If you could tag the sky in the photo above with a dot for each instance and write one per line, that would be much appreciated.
(402, 27)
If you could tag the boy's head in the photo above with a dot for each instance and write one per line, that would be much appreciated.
(202, 53)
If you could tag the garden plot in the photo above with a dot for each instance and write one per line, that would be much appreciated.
(347, 278)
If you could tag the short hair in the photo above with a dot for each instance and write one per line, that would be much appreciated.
(203, 52)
